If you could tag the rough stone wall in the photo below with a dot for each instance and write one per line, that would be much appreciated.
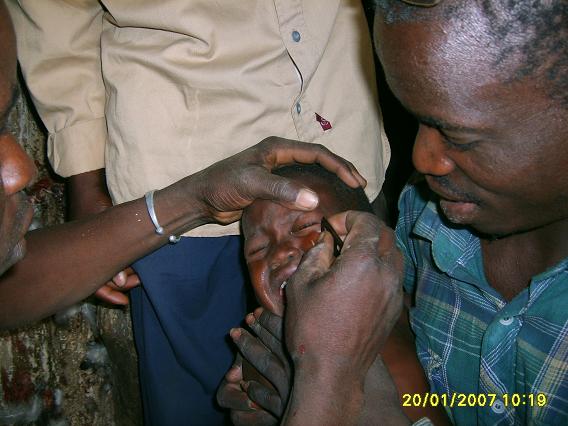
(79, 367)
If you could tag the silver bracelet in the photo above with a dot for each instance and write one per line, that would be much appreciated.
(149, 197)
(424, 421)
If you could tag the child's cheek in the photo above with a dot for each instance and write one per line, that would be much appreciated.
(258, 274)
(309, 241)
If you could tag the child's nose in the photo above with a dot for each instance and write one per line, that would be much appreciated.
(284, 254)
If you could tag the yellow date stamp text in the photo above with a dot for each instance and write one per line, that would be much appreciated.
(456, 399)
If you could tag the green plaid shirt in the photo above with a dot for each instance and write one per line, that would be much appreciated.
(507, 362)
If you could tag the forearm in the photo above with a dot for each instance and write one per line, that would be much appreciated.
(382, 405)
(329, 396)
(67, 263)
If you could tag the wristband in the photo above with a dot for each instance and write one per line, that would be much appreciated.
(149, 197)
(424, 421)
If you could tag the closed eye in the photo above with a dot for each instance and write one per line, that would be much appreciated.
(305, 228)
(461, 146)
(458, 143)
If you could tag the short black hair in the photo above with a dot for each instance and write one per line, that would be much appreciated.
(349, 198)
(531, 35)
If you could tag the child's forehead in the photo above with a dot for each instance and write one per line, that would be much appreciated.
(261, 212)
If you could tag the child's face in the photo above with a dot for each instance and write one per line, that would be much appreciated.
(276, 239)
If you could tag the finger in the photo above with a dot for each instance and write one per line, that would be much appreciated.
(131, 282)
(315, 153)
(123, 286)
(233, 397)
(348, 221)
(107, 294)
(315, 263)
(387, 241)
(235, 373)
(339, 223)
(265, 397)
(271, 322)
(269, 340)
(284, 191)
(129, 270)
(261, 358)
(359, 230)
(120, 279)
(287, 152)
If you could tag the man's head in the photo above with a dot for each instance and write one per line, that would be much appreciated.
(276, 238)
(16, 168)
(487, 81)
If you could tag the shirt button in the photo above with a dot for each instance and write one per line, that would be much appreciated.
(498, 407)
(506, 320)
(298, 108)
(296, 36)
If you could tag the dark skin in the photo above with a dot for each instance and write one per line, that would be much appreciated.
(494, 153)
(339, 314)
(276, 240)
(492, 149)
(66, 263)
(88, 195)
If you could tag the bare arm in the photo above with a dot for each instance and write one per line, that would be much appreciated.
(68, 262)
(87, 194)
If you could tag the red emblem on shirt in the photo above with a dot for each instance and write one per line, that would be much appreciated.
(325, 125)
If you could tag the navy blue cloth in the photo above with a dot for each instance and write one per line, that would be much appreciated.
(192, 293)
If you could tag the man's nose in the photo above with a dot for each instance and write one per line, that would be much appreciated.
(429, 153)
(283, 254)
(16, 167)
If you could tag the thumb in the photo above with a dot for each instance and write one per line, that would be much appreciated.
(284, 191)
(314, 264)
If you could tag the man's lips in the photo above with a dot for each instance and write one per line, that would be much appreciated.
(457, 209)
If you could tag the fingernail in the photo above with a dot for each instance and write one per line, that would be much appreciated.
(235, 333)
(307, 199)
(120, 279)
(250, 319)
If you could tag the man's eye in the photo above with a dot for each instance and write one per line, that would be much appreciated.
(305, 228)
(459, 145)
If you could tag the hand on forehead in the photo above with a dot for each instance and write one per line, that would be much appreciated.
(276, 238)
(333, 194)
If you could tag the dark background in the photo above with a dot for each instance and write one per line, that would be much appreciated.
(401, 129)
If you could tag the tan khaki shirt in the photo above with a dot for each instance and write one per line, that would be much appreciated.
(156, 90)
